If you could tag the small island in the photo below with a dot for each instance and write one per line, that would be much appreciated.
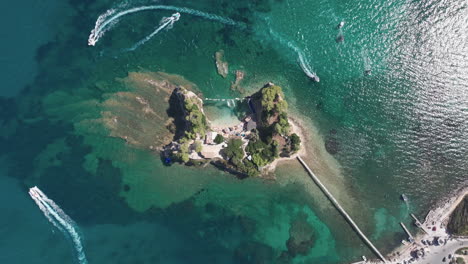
(263, 136)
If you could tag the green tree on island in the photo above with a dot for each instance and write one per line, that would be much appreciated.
(183, 152)
(197, 146)
(271, 95)
(234, 151)
(195, 118)
(295, 142)
(219, 139)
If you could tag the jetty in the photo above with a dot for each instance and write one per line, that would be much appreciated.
(410, 236)
(418, 223)
(341, 210)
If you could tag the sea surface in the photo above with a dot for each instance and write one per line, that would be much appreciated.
(388, 117)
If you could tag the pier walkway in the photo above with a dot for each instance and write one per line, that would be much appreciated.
(341, 210)
(419, 224)
(410, 236)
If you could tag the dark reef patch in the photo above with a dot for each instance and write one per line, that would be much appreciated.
(253, 252)
(83, 195)
(27, 142)
(332, 145)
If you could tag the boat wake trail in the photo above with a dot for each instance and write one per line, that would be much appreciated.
(110, 18)
(166, 22)
(60, 220)
(366, 60)
(305, 66)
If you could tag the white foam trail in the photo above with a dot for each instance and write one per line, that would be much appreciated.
(109, 18)
(305, 66)
(59, 219)
(101, 19)
(165, 22)
(231, 103)
(366, 59)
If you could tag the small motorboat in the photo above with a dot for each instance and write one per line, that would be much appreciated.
(404, 198)
(340, 25)
(315, 78)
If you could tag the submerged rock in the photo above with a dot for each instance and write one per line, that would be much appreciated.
(301, 237)
(221, 65)
(332, 145)
(235, 85)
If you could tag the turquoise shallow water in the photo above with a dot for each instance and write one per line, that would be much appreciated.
(402, 129)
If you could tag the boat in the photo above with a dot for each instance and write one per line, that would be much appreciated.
(340, 25)
(315, 78)
(404, 198)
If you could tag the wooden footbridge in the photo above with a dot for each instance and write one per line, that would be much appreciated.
(341, 210)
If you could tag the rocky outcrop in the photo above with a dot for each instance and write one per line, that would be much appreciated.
(235, 86)
(221, 65)
(458, 222)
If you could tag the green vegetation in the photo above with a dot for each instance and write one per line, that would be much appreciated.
(183, 154)
(235, 156)
(275, 125)
(196, 127)
(461, 251)
(249, 168)
(197, 146)
(262, 153)
(459, 260)
(271, 137)
(295, 142)
(219, 139)
(458, 223)
(272, 99)
(234, 151)
(274, 109)
(282, 126)
(195, 117)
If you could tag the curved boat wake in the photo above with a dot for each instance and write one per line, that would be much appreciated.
(110, 18)
(305, 66)
(166, 22)
(60, 220)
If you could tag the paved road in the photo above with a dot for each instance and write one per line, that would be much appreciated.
(437, 253)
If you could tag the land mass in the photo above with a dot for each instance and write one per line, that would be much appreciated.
(458, 222)
(441, 237)
(253, 147)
